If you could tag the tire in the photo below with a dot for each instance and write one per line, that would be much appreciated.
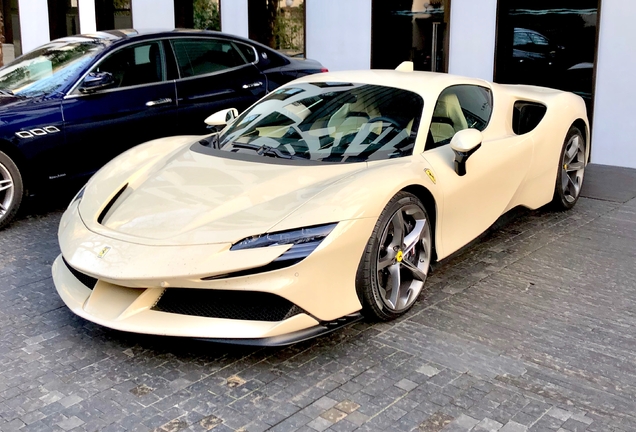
(570, 171)
(11, 189)
(393, 268)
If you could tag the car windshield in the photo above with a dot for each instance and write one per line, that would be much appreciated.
(48, 68)
(328, 122)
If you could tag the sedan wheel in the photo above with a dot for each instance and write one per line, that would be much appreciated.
(571, 170)
(10, 189)
(393, 269)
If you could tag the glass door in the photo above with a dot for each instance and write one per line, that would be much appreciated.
(410, 30)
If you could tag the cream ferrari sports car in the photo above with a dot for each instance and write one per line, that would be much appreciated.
(325, 201)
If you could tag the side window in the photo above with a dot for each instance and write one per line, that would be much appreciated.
(521, 39)
(248, 52)
(204, 56)
(537, 39)
(135, 65)
(459, 107)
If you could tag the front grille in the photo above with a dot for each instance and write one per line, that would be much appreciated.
(87, 280)
(238, 305)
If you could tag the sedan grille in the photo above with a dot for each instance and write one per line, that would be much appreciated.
(85, 279)
(238, 305)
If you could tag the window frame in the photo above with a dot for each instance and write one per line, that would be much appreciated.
(429, 137)
(74, 91)
(230, 41)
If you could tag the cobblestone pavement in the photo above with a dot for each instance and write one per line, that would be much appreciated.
(531, 328)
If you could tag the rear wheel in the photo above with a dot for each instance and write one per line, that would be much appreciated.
(11, 189)
(571, 170)
(395, 263)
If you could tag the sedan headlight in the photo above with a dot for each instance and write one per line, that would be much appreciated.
(304, 241)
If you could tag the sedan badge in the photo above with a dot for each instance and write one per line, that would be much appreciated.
(103, 252)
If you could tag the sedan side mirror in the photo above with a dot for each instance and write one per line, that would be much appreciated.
(223, 117)
(96, 81)
(464, 144)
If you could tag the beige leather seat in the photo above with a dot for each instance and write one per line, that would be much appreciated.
(448, 118)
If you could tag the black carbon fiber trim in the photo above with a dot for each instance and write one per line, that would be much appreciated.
(85, 279)
(238, 305)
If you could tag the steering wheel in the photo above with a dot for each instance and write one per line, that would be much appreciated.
(386, 119)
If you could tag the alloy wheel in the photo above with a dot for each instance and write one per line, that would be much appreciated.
(404, 257)
(7, 190)
(573, 167)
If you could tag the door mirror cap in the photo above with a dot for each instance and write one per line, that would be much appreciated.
(223, 117)
(96, 81)
(464, 144)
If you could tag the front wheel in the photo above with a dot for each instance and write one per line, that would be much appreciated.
(11, 189)
(571, 169)
(396, 260)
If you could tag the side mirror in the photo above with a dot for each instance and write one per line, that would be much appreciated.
(96, 81)
(223, 117)
(464, 144)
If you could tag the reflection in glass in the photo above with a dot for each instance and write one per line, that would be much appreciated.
(414, 30)
(113, 14)
(279, 24)
(197, 14)
(63, 18)
(548, 43)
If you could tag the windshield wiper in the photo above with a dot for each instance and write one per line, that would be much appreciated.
(6, 92)
(264, 150)
(211, 141)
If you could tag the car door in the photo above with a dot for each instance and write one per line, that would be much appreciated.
(140, 105)
(215, 73)
(494, 172)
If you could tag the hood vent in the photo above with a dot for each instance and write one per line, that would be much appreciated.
(110, 204)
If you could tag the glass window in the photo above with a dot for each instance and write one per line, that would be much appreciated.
(279, 24)
(328, 122)
(136, 65)
(197, 14)
(415, 30)
(459, 107)
(113, 14)
(204, 56)
(561, 52)
(63, 18)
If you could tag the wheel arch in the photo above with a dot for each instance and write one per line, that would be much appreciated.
(585, 130)
(424, 195)
(18, 158)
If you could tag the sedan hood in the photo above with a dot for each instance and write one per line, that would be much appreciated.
(193, 197)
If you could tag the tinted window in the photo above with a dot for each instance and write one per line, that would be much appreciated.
(203, 56)
(521, 38)
(459, 107)
(328, 122)
(248, 52)
(135, 65)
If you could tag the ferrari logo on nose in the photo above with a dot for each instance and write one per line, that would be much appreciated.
(399, 256)
(103, 252)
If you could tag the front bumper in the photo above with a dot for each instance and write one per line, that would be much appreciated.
(130, 286)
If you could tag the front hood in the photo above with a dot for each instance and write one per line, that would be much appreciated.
(196, 198)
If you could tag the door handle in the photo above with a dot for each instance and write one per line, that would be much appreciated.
(158, 102)
(253, 85)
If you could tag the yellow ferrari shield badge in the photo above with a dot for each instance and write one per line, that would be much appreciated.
(103, 252)
(430, 175)
(399, 256)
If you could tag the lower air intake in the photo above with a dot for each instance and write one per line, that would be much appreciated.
(238, 305)
(85, 279)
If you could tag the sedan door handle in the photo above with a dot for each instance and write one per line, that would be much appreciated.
(253, 85)
(158, 102)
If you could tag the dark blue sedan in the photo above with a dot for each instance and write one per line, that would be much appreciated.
(73, 104)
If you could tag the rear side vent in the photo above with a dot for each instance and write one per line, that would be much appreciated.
(526, 116)
(110, 204)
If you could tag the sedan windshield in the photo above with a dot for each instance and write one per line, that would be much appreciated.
(48, 68)
(328, 122)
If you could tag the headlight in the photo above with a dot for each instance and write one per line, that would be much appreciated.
(304, 241)
(293, 237)
(78, 196)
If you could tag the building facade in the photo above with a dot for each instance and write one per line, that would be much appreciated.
(585, 48)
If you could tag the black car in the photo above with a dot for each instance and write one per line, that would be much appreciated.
(73, 104)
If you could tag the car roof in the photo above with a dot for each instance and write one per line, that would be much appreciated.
(427, 84)
(128, 34)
